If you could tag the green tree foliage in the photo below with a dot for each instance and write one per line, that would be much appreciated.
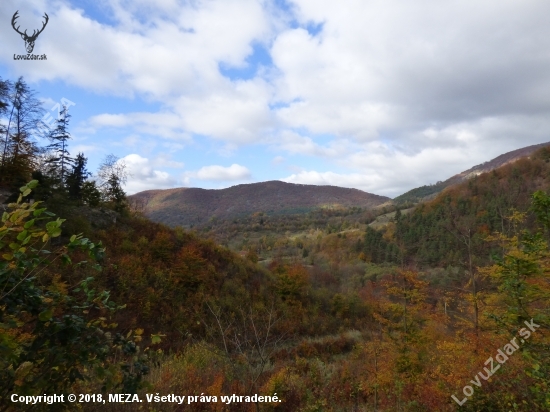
(60, 161)
(419, 193)
(377, 249)
(5, 86)
(77, 178)
(112, 176)
(521, 276)
(450, 230)
(53, 328)
(90, 194)
(114, 194)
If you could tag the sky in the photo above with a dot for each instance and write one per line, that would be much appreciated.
(379, 95)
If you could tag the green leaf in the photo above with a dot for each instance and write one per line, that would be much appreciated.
(29, 224)
(156, 338)
(7, 256)
(55, 232)
(38, 212)
(32, 184)
(5, 216)
(45, 315)
(22, 235)
(27, 192)
(52, 225)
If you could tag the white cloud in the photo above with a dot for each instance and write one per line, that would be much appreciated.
(390, 94)
(312, 177)
(383, 69)
(295, 143)
(142, 176)
(236, 112)
(215, 172)
(162, 124)
(154, 49)
(383, 172)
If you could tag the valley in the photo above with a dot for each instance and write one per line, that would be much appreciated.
(331, 299)
(274, 206)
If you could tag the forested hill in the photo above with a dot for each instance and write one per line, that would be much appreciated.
(453, 227)
(318, 309)
(193, 206)
(428, 191)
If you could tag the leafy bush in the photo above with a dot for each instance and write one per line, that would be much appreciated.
(53, 329)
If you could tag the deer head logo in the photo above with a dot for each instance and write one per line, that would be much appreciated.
(29, 40)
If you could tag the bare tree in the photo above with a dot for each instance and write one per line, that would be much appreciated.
(463, 230)
(112, 175)
(20, 150)
(248, 339)
(112, 166)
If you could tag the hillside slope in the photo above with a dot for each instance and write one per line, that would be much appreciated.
(452, 228)
(192, 206)
(428, 191)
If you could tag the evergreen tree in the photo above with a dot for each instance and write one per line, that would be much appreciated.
(77, 177)
(115, 194)
(5, 87)
(90, 194)
(112, 175)
(21, 160)
(61, 161)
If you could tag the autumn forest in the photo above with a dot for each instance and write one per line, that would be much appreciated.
(437, 304)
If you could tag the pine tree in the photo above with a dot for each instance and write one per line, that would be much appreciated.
(77, 177)
(115, 194)
(112, 175)
(61, 160)
(5, 87)
(90, 194)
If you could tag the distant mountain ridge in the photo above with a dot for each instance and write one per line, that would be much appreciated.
(194, 206)
(426, 192)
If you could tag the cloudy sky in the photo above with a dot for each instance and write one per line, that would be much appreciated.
(379, 95)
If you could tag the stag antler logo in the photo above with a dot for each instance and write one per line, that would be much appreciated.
(29, 40)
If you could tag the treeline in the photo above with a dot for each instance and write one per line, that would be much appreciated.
(451, 229)
(92, 316)
(61, 175)
(397, 339)
(337, 317)
(418, 194)
(265, 233)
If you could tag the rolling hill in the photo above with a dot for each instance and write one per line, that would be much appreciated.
(188, 207)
